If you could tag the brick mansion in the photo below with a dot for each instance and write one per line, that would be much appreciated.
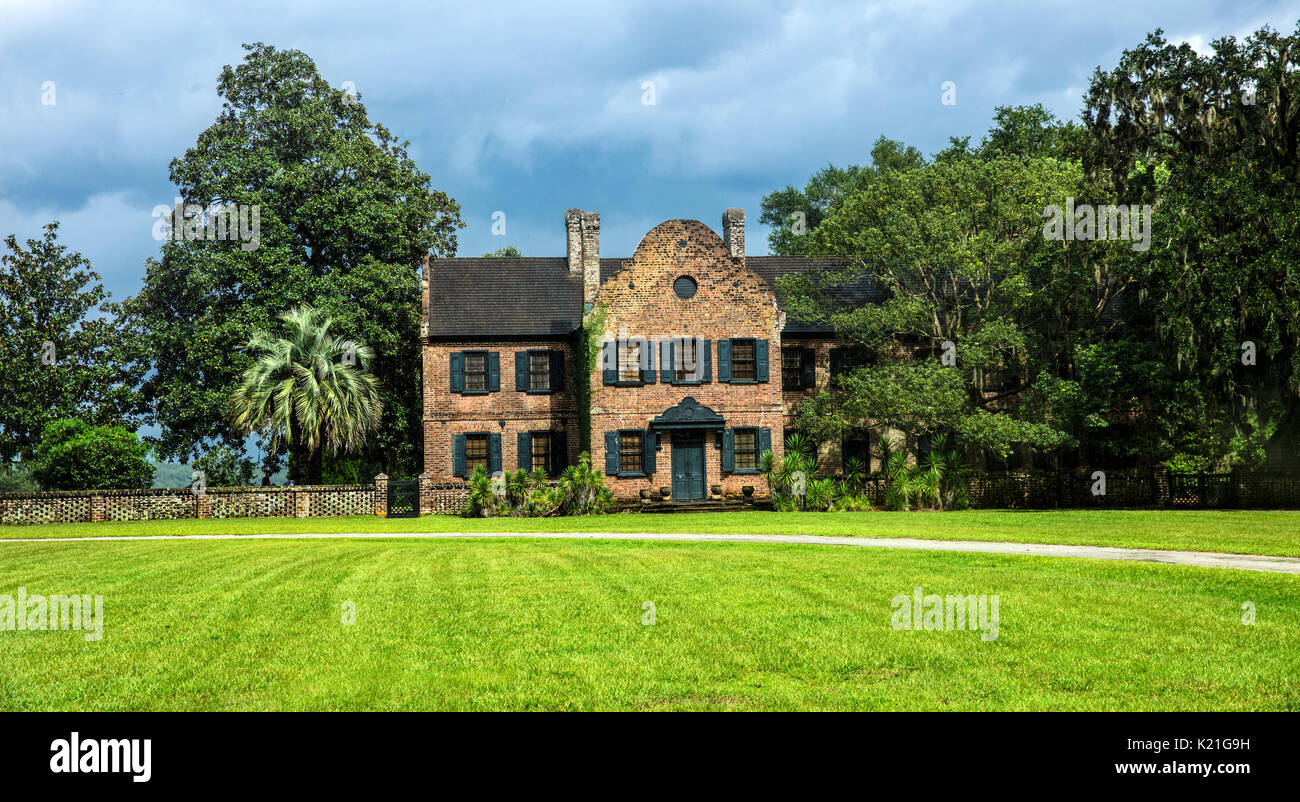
(677, 365)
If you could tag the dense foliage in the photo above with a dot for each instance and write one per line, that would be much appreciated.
(74, 455)
(1181, 347)
(62, 357)
(345, 218)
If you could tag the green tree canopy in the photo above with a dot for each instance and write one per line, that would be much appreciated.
(957, 247)
(1213, 143)
(345, 219)
(63, 354)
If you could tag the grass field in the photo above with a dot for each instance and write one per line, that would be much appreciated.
(501, 624)
(1238, 531)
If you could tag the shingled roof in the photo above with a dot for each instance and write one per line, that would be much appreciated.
(494, 297)
(485, 297)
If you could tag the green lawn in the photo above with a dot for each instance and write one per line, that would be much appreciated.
(509, 624)
(1239, 531)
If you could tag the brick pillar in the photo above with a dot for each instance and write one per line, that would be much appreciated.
(301, 504)
(96, 509)
(426, 494)
(203, 506)
(381, 495)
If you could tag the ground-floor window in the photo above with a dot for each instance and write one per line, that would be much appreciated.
(857, 446)
(476, 451)
(541, 446)
(630, 453)
(746, 449)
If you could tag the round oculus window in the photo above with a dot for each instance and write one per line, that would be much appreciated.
(685, 287)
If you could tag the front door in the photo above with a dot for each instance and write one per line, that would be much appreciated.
(688, 467)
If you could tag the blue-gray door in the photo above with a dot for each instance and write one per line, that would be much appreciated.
(688, 467)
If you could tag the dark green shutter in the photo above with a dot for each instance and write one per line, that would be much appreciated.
(458, 454)
(609, 362)
(525, 451)
(494, 372)
(494, 452)
(650, 442)
(559, 452)
(808, 368)
(458, 371)
(667, 359)
(760, 360)
(728, 447)
(557, 371)
(521, 371)
(647, 363)
(706, 369)
(837, 364)
(611, 453)
(764, 441)
(724, 360)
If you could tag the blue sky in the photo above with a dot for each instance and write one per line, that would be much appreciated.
(532, 108)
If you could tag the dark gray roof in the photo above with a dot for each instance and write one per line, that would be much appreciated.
(486, 297)
(532, 296)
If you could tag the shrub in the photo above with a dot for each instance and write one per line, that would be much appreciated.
(579, 491)
(74, 455)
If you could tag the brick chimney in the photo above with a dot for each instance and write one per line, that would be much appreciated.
(733, 231)
(582, 230)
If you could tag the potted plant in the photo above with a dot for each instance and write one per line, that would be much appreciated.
(748, 490)
(666, 492)
(645, 494)
(716, 491)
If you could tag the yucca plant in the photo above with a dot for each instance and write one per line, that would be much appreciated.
(780, 476)
(582, 490)
(854, 474)
(483, 501)
(898, 479)
(308, 391)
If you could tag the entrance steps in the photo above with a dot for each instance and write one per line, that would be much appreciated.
(703, 505)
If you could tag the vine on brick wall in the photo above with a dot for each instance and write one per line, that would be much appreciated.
(590, 337)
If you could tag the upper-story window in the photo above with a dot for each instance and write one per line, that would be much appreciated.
(742, 360)
(476, 370)
(629, 361)
(539, 370)
(686, 354)
(797, 368)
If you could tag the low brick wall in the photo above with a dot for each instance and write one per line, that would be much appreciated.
(78, 506)
(442, 498)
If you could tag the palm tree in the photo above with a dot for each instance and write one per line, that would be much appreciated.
(309, 391)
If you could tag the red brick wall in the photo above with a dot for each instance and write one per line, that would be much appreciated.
(730, 302)
(447, 414)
